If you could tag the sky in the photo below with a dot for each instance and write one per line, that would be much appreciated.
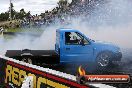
(34, 6)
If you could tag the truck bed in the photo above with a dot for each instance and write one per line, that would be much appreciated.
(37, 56)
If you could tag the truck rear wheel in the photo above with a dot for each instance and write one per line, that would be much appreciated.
(27, 60)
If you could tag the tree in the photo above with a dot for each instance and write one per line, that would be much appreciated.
(22, 11)
(4, 16)
(62, 3)
(11, 10)
(22, 14)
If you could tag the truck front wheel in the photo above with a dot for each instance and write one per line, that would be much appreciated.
(104, 59)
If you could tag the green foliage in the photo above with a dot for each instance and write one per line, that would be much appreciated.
(62, 3)
(4, 16)
(14, 14)
(21, 14)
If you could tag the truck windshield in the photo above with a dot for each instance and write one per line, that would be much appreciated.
(74, 38)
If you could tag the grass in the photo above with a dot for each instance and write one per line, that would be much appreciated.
(14, 30)
(24, 30)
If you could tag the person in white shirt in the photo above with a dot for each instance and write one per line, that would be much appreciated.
(1, 30)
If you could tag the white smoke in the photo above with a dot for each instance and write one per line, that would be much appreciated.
(110, 22)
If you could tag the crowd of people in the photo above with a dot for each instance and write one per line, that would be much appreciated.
(62, 14)
(49, 17)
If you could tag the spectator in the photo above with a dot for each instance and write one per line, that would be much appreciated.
(1, 30)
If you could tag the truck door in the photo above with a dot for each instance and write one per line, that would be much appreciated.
(74, 51)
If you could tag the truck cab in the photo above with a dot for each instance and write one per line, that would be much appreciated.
(73, 46)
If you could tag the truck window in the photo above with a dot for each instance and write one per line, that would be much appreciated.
(74, 38)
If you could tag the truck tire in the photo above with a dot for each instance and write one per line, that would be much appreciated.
(26, 56)
(27, 60)
(103, 59)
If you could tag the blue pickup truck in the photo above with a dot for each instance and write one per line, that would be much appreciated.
(71, 46)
